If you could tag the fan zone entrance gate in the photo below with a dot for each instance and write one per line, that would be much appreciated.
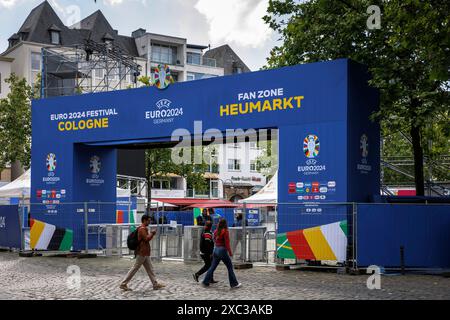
(328, 147)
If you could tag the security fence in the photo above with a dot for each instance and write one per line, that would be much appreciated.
(349, 235)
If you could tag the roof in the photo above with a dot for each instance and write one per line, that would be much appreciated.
(43, 18)
(226, 58)
(196, 46)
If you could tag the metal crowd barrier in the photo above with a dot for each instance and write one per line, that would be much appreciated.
(111, 239)
(191, 251)
(252, 248)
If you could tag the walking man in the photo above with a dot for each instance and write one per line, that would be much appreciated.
(206, 250)
(143, 256)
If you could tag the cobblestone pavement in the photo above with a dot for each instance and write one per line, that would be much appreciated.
(46, 278)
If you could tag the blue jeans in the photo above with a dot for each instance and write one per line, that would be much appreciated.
(221, 254)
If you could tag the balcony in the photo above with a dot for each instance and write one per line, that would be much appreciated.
(197, 60)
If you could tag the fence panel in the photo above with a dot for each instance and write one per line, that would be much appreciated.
(315, 233)
(10, 227)
(419, 232)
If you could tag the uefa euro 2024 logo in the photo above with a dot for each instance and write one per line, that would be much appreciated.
(51, 162)
(95, 165)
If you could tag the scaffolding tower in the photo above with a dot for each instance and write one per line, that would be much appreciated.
(89, 67)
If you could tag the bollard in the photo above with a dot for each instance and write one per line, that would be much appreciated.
(244, 234)
(86, 239)
(402, 259)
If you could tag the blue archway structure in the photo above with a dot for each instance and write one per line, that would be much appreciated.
(328, 147)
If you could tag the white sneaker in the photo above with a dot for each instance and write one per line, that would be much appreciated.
(237, 286)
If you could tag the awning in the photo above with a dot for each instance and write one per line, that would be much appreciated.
(210, 206)
(202, 203)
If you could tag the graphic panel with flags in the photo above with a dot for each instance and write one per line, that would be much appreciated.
(326, 242)
(44, 236)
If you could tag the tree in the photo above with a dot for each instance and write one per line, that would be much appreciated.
(408, 56)
(157, 164)
(15, 123)
(267, 161)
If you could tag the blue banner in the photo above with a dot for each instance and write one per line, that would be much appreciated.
(10, 227)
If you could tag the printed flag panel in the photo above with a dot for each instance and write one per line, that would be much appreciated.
(44, 236)
(326, 242)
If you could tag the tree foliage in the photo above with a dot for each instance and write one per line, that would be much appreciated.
(408, 56)
(15, 123)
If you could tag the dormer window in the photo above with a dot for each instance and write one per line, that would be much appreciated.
(23, 36)
(55, 37)
(108, 40)
(13, 40)
(55, 34)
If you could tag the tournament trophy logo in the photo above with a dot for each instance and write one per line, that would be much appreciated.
(364, 146)
(364, 167)
(51, 162)
(311, 149)
(163, 78)
(95, 165)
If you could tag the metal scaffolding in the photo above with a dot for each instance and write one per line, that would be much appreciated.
(86, 68)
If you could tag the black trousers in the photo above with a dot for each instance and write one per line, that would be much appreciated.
(207, 260)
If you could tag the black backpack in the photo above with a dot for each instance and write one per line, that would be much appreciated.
(133, 240)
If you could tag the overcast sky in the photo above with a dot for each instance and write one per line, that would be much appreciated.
(216, 22)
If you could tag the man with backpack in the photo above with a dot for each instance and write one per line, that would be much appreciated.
(139, 241)
(201, 219)
(206, 250)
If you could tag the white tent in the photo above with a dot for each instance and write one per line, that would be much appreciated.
(20, 188)
(267, 195)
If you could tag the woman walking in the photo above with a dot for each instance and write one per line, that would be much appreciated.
(222, 252)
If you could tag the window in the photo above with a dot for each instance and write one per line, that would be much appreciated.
(99, 73)
(254, 145)
(190, 76)
(197, 76)
(35, 61)
(35, 67)
(234, 145)
(122, 73)
(253, 166)
(55, 37)
(234, 164)
(214, 189)
(161, 184)
(237, 70)
(194, 58)
(113, 74)
(164, 54)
